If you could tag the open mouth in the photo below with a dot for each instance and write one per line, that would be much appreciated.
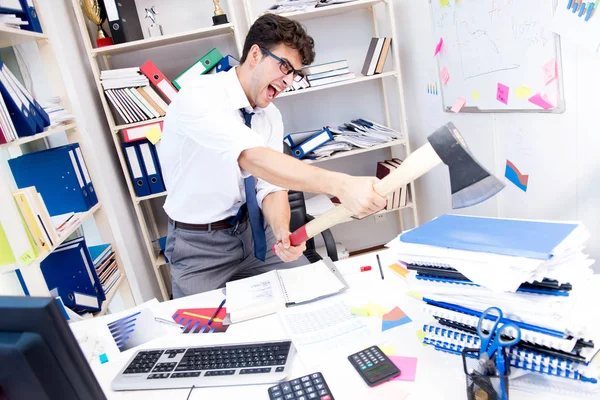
(272, 91)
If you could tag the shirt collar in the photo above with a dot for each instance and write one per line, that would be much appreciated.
(235, 92)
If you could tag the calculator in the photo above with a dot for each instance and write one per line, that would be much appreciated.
(373, 366)
(308, 387)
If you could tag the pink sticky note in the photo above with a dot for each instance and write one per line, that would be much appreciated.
(445, 75)
(438, 47)
(550, 71)
(502, 93)
(407, 367)
(460, 102)
(538, 100)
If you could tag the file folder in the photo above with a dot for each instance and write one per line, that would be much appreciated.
(200, 67)
(29, 14)
(70, 274)
(138, 178)
(226, 64)
(296, 138)
(159, 80)
(55, 175)
(11, 7)
(34, 107)
(314, 142)
(512, 237)
(139, 132)
(114, 21)
(91, 192)
(24, 123)
(151, 167)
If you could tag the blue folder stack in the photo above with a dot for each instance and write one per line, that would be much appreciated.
(144, 167)
(69, 273)
(60, 175)
(534, 271)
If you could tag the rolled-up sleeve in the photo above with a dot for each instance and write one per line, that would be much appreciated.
(275, 142)
(210, 126)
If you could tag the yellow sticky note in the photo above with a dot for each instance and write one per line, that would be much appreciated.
(376, 310)
(443, 3)
(388, 350)
(475, 95)
(399, 269)
(415, 294)
(359, 311)
(523, 92)
(27, 258)
(153, 134)
(421, 336)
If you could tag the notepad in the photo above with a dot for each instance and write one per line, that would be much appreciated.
(512, 237)
(272, 291)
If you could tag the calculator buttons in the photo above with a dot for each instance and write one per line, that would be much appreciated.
(308, 387)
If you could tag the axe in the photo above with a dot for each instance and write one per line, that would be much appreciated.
(471, 183)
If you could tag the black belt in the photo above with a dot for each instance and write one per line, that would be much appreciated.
(213, 226)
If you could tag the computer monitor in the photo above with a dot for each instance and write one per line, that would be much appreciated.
(39, 356)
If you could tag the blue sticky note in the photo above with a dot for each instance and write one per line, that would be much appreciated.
(103, 358)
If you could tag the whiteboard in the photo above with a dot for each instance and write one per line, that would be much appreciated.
(491, 42)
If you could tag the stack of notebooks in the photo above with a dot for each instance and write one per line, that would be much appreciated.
(327, 73)
(401, 196)
(20, 113)
(536, 272)
(57, 114)
(130, 93)
(105, 264)
(376, 56)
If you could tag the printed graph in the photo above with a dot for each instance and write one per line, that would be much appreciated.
(195, 320)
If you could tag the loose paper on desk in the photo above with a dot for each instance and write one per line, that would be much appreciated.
(326, 329)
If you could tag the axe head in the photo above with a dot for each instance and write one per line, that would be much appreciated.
(471, 183)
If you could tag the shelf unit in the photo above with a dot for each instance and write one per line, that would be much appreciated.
(100, 60)
(395, 74)
(9, 215)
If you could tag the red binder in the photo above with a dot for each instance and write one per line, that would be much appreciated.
(139, 132)
(159, 80)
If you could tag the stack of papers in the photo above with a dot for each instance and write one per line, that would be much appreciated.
(536, 272)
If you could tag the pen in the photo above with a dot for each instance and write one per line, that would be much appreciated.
(216, 312)
(380, 269)
(166, 321)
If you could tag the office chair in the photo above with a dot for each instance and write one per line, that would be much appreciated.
(299, 217)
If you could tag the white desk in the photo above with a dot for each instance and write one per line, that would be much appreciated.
(439, 375)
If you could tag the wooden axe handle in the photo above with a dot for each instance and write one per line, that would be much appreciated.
(418, 163)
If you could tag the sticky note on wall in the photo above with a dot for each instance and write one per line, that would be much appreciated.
(502, 93)
(444, 75)
(550, 71)
(460, 102)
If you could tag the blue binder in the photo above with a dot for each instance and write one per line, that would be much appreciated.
(37, 111)
(296, 138)
(11, 10)
(532, 239)
(87, 180)
(312, 143)
(138, 177)
(29, 14)
(54, 174)
(70, 273)
(226, 63)
(151, 167)
(19, 111)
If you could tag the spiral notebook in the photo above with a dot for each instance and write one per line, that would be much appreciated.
(272, 291)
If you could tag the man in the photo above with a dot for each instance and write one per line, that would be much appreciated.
(219, 134)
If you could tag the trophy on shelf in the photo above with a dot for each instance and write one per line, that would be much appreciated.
(154, 29)
(220, 17)
(96, 13)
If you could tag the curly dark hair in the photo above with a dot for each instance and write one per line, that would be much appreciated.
(271, 30)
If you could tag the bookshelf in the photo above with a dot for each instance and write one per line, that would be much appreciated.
(100, 59)
(147, 209)
(70, 132)
(389, 81)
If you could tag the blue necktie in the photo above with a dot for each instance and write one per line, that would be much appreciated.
(254, 214)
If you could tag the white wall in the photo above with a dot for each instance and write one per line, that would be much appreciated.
(61, 27)
(559, 152)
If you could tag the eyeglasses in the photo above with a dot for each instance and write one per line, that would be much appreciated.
(285, 66)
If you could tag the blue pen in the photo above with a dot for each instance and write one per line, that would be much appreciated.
(570, 4)
(216, 312)
(589, 11)
(581, 9)
(575, 5)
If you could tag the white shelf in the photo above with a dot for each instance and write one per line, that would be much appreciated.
(159, 261)
(111, 295)
(163, 40)
(150, 197)
(82, 218)
(41, 135)
(133, 125)
(12, 37)
(359, 79)
(349, 153)
(335, 9)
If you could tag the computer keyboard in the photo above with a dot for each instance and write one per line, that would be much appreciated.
(234, 364)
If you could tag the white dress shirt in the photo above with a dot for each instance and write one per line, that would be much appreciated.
(203, 136)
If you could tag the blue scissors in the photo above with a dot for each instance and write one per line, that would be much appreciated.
(492, 342)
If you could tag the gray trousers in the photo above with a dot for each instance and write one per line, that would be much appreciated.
(203, 261)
